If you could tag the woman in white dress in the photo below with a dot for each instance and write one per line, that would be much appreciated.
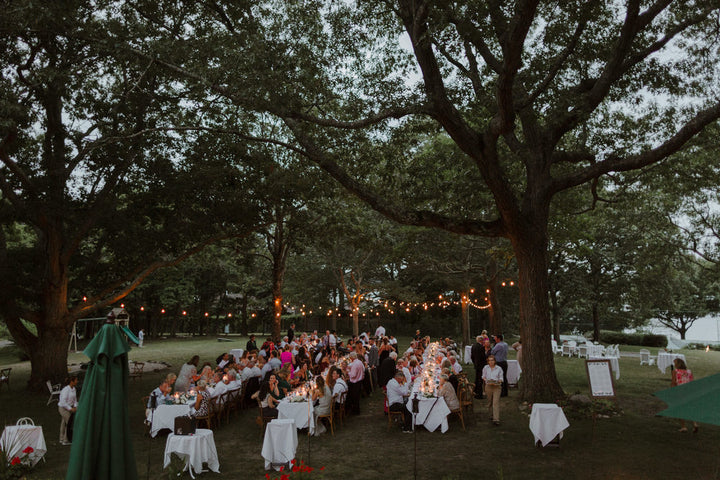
(323, 395)
(187, 374)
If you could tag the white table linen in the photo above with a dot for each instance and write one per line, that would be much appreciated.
(547, 421)
(514, 371)
(164, 417)
(614, 364)
(468, 354)
(237, 354)
(432, 413)
(280, 443)
(300, 412)
(194, 449)
(665, 359)
(16, 438)
(595, 350)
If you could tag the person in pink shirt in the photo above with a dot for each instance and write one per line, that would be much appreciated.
(287, 357)
(356, 373)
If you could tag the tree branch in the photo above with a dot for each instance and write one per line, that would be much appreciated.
(385, 206)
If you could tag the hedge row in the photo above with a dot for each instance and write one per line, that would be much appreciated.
(643, 339)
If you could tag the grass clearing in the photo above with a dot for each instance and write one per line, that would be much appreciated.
(634, 445)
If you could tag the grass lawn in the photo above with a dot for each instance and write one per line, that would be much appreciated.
(634, 445)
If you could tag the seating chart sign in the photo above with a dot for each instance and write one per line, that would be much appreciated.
(600, 377)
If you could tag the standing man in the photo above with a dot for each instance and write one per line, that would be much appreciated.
(500, 352)
(356, 373)
(251, 346)
(141, 337)
(380, 332)
(373, 362)
(67, 405)
(477, 355)
(291, 333)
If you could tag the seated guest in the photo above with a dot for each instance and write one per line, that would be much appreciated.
(223, 360)
(221, 387)
(251, 346)
(170, 379)
(256, 369)
(246, 370)
(456, 367)
(448, 393)
(274, 361)
(206, 374)
(283, 383)
(201, 408)
(339, 386)
(301, 375)
(269, 396)
(323, 395)
(161, 393)
(397, 395)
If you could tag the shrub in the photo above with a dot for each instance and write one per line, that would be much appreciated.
(642, 339)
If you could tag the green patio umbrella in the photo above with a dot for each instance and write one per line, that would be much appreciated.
(101, 444)
(696, 401)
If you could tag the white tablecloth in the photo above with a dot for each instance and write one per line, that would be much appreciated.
(432, 413)
(665, 359)
(468, 353)
(237, 353)
(194, 449)
(546, 421)
(300, 412)
(164, 417)
(16, 438)
(614, 364)
(280, 443)
(514, 371)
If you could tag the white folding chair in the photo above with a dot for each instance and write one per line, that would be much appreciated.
(54, 391)
(25, 421)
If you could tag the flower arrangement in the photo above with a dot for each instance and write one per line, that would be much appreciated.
(18, 466)
(297, 470)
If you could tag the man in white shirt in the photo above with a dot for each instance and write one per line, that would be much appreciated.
(340, 385)
(141, 337)
(332, 339)
(67, 405)
(274, 361)
(246, 370)
(380, 331)
(397, 394)
(402, 365)
(220, 388)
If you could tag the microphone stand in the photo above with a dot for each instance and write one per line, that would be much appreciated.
(153, 406)
(415, 411)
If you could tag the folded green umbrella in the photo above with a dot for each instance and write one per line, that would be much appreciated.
(102, 446)
(697, 401)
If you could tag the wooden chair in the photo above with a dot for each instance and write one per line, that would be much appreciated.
(465, 394)
(54, 391)
(459, 413)
(5, 376)
(208, 419)
(329, 416)
(262, 420)
(392, 414)
(136, 370)
(340, 408)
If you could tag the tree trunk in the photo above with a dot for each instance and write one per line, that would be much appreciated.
(495, 310)
(355, 320)
(277, 308)
(244, 316)
(539, 380)
(555, 308)
(596, 322)
(49, 358)
(465, 319)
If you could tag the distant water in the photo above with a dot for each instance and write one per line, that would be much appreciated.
(704, 330)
